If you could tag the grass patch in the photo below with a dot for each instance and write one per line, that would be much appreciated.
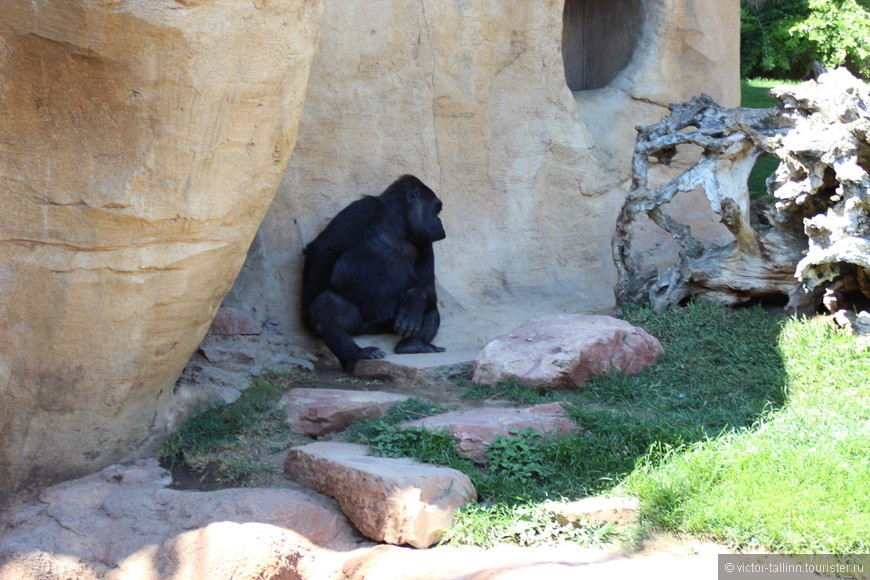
(721, 370)
(224, 445)
(796, 482)
(407, 410)
(754, 94)
(750, 429)
(526, 524)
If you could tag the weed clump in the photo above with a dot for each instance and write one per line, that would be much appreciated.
(222, 444)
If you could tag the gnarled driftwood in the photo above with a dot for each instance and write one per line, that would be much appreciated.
(819, 233)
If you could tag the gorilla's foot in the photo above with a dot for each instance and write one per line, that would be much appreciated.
(371, 352)
(416, 345)
(368, 352)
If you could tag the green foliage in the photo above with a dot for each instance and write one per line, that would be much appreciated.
(720, 370)
(527, 524)
(407, 410)
(797, 480)
(783, 37)
(215, 442)
(520, 456)
(386, 439)
(416, 443)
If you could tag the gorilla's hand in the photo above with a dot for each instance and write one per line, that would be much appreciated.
(409, 316)
(408, 320)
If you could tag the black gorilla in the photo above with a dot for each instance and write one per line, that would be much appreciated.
(372, 271)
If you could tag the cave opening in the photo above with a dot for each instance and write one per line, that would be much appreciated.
(599, 38)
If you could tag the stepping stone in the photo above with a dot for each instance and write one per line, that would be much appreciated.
(397, 501)
(596, 509)
(413, 368)
(474, 429)
(317, 412)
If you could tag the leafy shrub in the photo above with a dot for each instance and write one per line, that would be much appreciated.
(783, 37)
(520, 456)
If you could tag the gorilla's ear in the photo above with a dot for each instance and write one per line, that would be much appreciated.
(414, 192)
(412, 185)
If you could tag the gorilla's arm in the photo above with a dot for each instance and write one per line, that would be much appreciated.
(344, 231)
(420, 298)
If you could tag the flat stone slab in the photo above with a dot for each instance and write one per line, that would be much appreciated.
(397, 501)
(316, 412)
(413, 368)
(596, 509)
(566, 351)
(474, 429)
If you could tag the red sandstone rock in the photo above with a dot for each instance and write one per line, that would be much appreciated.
(565, 351)
(398, 501)
(320, 411)
(234, 321)
(475, 429)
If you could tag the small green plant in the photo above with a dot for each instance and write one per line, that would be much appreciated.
(407, 410)
(386, 439)
(519, 456)
(416, 443)
(524, 524)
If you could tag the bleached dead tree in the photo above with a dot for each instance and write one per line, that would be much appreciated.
(819, 233)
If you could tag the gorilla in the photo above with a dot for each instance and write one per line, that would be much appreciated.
(372, 271)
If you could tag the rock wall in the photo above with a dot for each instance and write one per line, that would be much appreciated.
(473, 97)
(141, 142)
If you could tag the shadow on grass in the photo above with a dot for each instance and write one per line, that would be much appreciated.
(720, 371)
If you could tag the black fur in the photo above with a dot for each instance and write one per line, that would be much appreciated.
(372, 271)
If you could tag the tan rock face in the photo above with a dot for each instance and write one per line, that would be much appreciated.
(473, 98)
(141, 145)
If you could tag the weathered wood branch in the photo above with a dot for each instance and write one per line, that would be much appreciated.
(820, 227)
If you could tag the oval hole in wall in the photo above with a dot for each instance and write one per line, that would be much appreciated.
(598, 40)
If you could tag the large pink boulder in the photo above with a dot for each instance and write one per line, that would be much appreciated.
(565, 351)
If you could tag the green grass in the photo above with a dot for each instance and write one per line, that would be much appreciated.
(754, 94)
(720, 372)
(799, 481)
(750, 429)
(221, 444)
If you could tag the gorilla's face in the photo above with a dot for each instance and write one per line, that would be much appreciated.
(424, 225)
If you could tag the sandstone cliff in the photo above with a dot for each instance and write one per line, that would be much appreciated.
(141, 142)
